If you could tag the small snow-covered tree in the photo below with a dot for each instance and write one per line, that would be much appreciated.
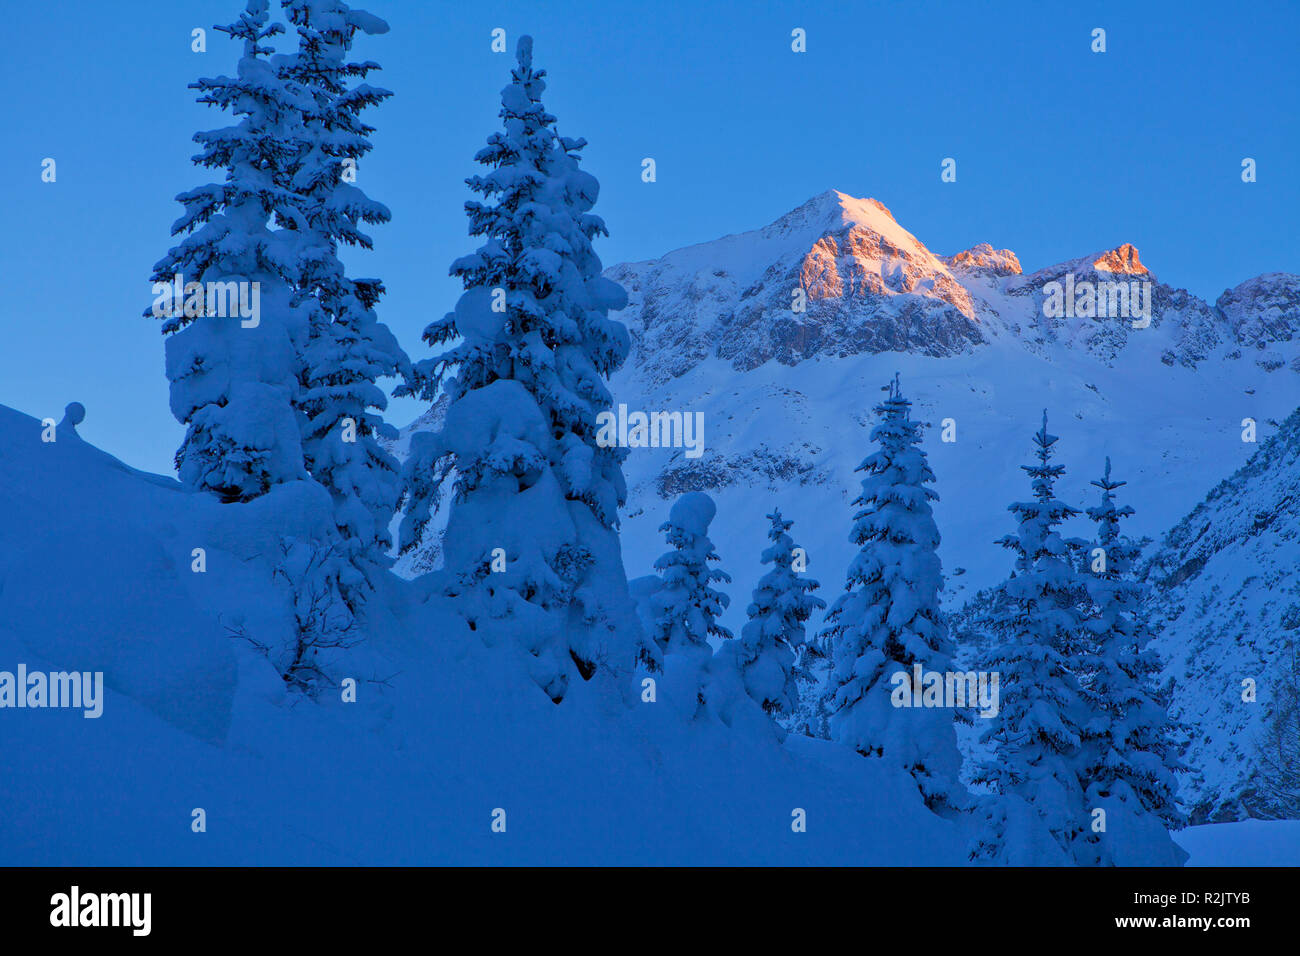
(534, 346)
(235, 377)
(889, 620)
(1130, 755)
(775, 633)
(348, 349)
(1038, 734)
(685, 607)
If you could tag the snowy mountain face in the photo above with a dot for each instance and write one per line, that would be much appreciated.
(1262, 313)
(1227, 580)
(870, 286)
(1160, 382)
(1187, 328)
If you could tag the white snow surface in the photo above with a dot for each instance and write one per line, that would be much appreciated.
(95, 574)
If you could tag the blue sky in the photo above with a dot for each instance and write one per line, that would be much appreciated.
(1060, 151)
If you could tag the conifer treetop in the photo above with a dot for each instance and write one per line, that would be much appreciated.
(535, 307)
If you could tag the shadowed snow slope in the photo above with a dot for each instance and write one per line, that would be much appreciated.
(95, 574)
(1248, 843)
(1227, 584)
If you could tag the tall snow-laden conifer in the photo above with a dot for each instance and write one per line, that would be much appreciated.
(1130, 756)
(775, 633)
(685, 607)
(234, 370)
(1039, 731)
(348, 349)
(889, 619)
(536, 495)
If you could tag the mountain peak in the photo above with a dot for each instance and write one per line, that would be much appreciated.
(833, 211)
(1122, 259)
(834, 199)
(984, 257)
(867, 207)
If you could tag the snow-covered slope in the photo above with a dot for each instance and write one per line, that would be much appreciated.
(96, 574)
(1227, 580)
(1248, 843)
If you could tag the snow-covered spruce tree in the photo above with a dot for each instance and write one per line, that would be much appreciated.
(1130, 756)
(1037, 735)
(234, 377)
(888, 620)
(774, 635)
(531, 546)
(684, 608)
(235, 352)
(348, 349)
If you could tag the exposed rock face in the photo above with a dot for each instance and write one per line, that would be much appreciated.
(1123, 260)
(1263, 310)
(983, 258)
